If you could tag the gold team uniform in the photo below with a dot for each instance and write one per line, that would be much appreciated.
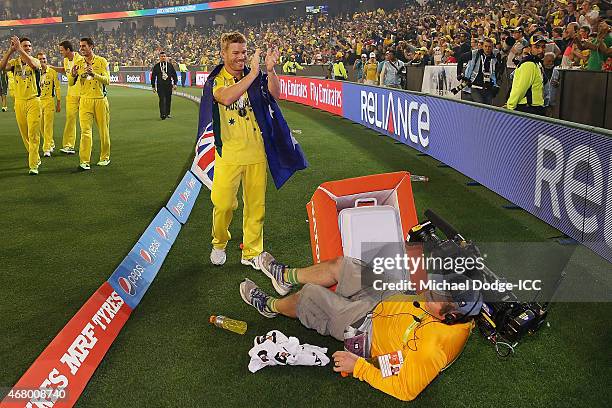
(93, 106)
(73, 98)
(49, 90)
(243, 158)
(27, 106)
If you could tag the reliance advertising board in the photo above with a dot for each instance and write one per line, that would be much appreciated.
(559, 173)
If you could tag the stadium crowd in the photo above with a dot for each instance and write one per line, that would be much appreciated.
(436, 33)
(18, 9)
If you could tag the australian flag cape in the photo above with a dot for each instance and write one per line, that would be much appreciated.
(283, 152)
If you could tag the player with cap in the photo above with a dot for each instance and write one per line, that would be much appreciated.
(428, 330)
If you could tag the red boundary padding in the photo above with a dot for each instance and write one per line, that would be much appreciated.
(73, 355)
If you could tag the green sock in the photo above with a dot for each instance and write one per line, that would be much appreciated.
(290, 276)
(271, 304)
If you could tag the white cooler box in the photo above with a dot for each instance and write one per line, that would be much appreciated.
(368, 222)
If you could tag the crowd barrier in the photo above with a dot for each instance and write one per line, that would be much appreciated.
(582, 96)
(557, 171)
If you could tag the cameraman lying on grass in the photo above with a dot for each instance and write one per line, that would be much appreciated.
(430, 329)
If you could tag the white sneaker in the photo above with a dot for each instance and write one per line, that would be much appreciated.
(68, 150)
(255, 262)
(218, 256)
(47, 153)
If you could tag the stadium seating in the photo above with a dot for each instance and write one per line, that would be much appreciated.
(436, 26)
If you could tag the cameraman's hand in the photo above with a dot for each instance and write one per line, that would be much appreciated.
(344, 361)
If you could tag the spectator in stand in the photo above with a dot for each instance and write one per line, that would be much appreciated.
(392, 71)
(517, 49)
(370, 70)
(557, 38)
(580, 55)
(588, 16)
(572, 15)
(358, 67)
(569, 35)
(551, 83)
(449, 57)
(599, 47)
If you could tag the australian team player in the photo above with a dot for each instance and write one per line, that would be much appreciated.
(73, 96)
(92, 74)
(50, 100)
(26, 71)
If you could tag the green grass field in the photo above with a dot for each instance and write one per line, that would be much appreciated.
(67, 231)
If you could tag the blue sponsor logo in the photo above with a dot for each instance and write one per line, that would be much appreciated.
(131, 281)
(183, 199)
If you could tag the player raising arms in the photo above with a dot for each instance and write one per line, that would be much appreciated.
(26, 71)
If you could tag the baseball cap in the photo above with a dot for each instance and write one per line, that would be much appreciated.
(364, 56)
(458, 288)
(372, 55)
(538, 38)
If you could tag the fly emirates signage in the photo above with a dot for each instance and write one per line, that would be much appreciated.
(320, 94)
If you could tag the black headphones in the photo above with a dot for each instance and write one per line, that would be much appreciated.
(449, 318)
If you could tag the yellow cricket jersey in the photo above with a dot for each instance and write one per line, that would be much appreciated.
(11, 83)
(430, 346)
(27, 80)
(49, 84)
(92, 86)
(73, 90)
(240, 133)
(369, 71)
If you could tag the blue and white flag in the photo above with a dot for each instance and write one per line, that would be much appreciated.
(283, 152)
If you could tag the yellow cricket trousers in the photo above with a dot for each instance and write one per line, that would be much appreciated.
(224, 192)
(91, 110)
(72, 112)
(27, 113)
(48, 117)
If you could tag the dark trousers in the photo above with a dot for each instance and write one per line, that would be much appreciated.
(535, 110)
(482, 96)
(183, 78)
(165, 101)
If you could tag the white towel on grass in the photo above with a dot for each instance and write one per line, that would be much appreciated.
(277, 349)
